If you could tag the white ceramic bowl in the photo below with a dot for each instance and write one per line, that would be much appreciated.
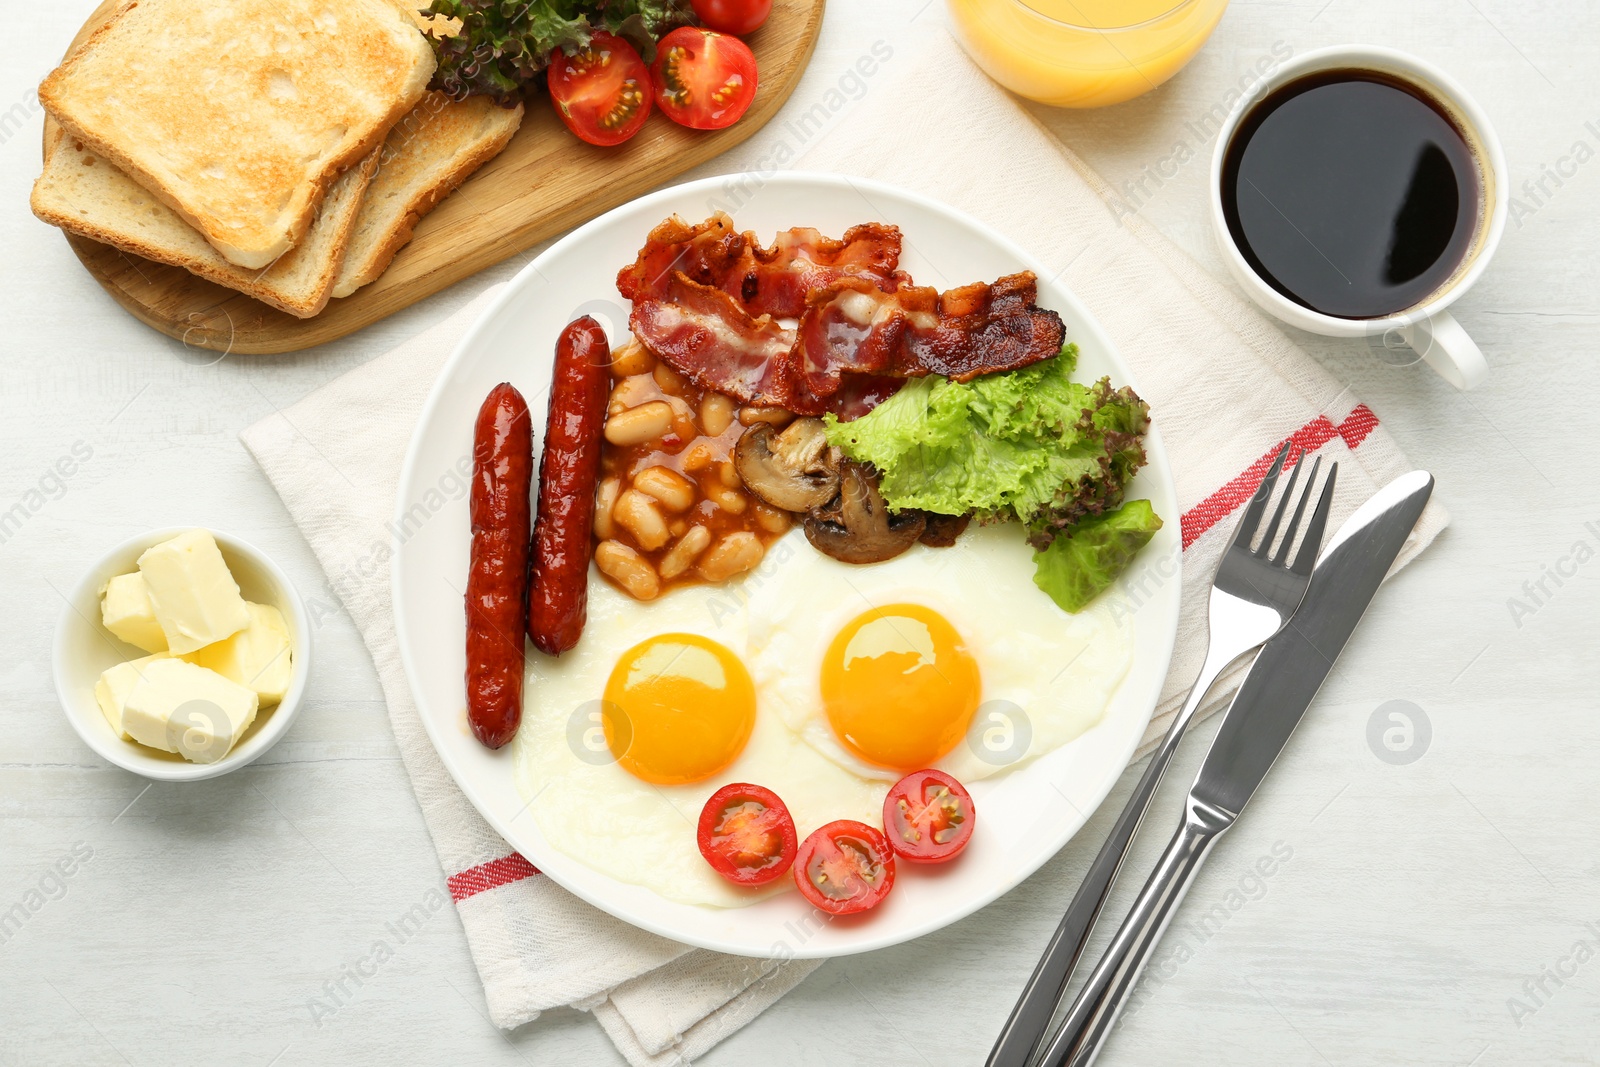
(83, 649)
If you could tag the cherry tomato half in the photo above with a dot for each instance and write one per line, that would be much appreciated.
(602, 93)
(845, 867)
(928, 817)
(733, 16)
(746, 834)
(703, 79)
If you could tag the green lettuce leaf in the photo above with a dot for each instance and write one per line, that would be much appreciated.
(1031, 445)
(1082, 563)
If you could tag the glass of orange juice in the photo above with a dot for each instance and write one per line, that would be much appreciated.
(1083, 53)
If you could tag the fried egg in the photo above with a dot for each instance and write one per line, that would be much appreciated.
(943, 657)
(822, 681)
(666, 684)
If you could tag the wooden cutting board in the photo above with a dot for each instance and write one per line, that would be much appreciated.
(544, 183)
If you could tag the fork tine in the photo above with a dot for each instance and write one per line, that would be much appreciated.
(1277, 515)
(1312, 545)
(1299, 512)
(1248, 522)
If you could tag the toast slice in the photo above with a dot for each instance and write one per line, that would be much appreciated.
(85, 194)
(426, 156)
(240, 114)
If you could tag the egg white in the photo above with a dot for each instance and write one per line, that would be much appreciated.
(1060, 670)
(1047, 676)
(594, 811)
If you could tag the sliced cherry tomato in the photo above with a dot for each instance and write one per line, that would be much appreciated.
(928, 817)
(746, 834)
(733, 16)
(845, 867)
(602, 93)
(703, 79)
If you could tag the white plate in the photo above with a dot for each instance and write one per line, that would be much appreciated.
(1027, 815)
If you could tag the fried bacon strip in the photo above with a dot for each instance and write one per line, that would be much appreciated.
(851, 338)
(852, 328)
(705, 334)
(765, 281)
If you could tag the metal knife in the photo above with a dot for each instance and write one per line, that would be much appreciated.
(1280, 686)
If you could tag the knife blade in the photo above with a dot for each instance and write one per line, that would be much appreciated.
(1280, 686)
(1292, 666)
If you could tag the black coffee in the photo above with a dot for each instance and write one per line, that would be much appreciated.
(1350, 193)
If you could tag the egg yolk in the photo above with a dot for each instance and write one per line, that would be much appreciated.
(900, 687)
(678, 708)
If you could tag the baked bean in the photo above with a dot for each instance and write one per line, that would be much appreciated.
(730, 500)
(775, 416)
(632, 359)
(630, 393)
(628, 569)
(716, 414)
(771, 519)
(698, 456)
(638, 425)
(605, 499)
(675, 492)
(670, 506)
(637, 514)
(734, 554)
(668, 379)
(684, 553)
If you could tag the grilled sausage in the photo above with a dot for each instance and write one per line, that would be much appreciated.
(558, 601)
(497, 578)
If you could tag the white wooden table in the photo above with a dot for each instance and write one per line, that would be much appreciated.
(1445, 911)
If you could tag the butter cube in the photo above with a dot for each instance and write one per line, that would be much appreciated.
(176, 706)
(257, 657)
(195, 598)
(112, 690)
(126, 611)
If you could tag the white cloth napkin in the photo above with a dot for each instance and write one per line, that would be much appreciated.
(1225, 386)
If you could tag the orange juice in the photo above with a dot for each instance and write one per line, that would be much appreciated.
(1083, 53)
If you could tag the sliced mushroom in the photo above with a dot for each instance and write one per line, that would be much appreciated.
(857, 526)
(941, 531)
(789, 470)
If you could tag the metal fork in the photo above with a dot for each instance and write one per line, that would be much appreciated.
(1255, 593)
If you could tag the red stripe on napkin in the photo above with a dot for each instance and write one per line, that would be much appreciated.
(1357, 425)
(1310, 437)
(474, 880)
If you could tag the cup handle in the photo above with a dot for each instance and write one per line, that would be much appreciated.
(1441, 341)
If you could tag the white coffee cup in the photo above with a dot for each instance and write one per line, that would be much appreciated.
(1427, 328)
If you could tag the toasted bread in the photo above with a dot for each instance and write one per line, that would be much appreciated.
(239, 114)
(85, 194)
(426, 156)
